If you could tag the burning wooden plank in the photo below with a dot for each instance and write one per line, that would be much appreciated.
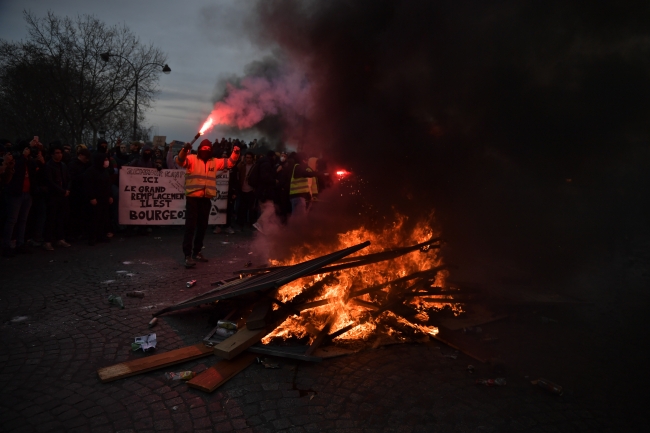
(274, 279)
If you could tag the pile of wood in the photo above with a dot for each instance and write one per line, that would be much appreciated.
(256, 288)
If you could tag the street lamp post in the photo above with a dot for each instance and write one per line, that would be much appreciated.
(165, 69)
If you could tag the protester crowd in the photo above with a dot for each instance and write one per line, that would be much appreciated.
(53, 195)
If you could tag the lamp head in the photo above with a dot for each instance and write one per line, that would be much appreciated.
(166, 69)
(105, 56)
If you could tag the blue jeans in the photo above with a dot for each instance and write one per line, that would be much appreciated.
(17, 212)
(298, 207)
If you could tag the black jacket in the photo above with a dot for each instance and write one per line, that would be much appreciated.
(57, 178)
(266, 186)
(96, 181)
(77, 170)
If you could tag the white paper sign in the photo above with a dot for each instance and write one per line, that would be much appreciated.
(151, 197)
(159, 140)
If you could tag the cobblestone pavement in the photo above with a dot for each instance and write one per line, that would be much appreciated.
(58, 329)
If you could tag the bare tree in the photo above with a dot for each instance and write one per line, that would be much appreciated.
(69, 79)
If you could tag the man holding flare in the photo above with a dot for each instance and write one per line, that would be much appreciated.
(200, 187)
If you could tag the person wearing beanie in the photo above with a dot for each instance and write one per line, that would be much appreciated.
(200, 187)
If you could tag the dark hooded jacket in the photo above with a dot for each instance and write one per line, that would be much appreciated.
(266, 184)
(97, 183)
(77, 170)
(58, 178)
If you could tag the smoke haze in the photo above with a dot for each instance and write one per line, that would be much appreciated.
(523, 124)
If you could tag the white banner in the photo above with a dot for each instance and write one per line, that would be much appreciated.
(152, 197)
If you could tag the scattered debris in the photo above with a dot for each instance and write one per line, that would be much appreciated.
(266, 363)
(548, 385)
(127, 263)
(146, 342)
(135, 294)
(470, 369)
(499, 381)
(472, 330)
(116, 300)
(121, 272)
(248, 264)
(19, 319)
(181, 375)
(451, 355)
(130, 275)
(153, 322)
(107, 282)
(190, 283)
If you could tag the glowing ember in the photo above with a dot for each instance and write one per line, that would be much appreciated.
(207, 125)
(369, 314)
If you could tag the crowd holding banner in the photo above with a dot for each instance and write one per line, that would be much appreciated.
(55, 193)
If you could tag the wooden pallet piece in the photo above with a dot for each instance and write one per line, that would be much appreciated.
(237, 343)
(320, 337)
(153, 362)
(258, 317)
(221, 372)
(364, 304)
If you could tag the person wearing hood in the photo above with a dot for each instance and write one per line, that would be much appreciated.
(121, 157)
(200, 187)
(145, 160)
(102, 147)
(97, 191)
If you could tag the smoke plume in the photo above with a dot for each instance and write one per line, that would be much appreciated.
(515, 121)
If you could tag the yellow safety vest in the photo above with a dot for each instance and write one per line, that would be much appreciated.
(201, 177)
(298, 185)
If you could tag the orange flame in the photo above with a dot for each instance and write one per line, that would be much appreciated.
(362, 317)
(207, 125)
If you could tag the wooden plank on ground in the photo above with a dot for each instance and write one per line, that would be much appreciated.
(153, 362)
(221, 372)
(257, 318)
(236, 344)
